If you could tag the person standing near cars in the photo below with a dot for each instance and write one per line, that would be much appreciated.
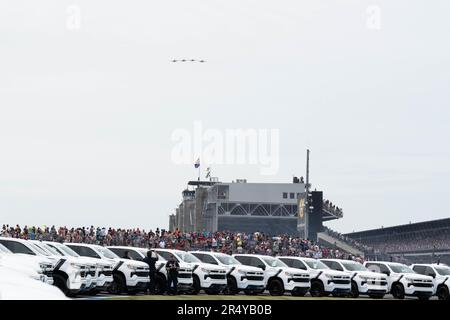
(172, 268)
(151, 259)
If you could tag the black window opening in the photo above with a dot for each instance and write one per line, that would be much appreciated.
(209, 259)
(167, 255)
(17, 247)
(243, 259)
(430, 272)
(84, 251)
(419, 269)
(336, 266)
(299, 265)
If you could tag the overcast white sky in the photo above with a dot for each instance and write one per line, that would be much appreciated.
(86, 115)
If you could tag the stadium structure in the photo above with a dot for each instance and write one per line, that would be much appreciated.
(240, 206)
(420, 242)
(288, 208)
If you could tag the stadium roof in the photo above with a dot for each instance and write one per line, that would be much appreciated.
(432, 224)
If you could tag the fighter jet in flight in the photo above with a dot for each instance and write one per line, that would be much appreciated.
(188, 60)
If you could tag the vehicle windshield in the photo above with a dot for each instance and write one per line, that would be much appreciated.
(39, 249)
(66, 251)
(143, 252)
(316, 264)
(53, 247)
(188, 257)
(353, 266)
(50, 249)
(107, 253)
(401, 268)
(3, 249)
(442, 270)
(227, 260)
(274, 262)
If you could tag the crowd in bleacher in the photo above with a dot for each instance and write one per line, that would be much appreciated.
(227, 242)
(329, 206)
(352, 242)
(432, 240)
(233, 242)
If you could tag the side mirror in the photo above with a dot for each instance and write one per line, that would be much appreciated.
(432, 275)
(386, 273)
(262, 266)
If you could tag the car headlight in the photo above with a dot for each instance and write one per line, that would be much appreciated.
(288, 274)
(328, 276)
(409, 279)
(131, 266)
(77, 265)
(205, 270)
(242, 272)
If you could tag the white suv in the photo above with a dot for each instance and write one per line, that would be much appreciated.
(66, 273)
(402, 280)
(239, 277)
(208, 277)
(129, 276)
(363, 281)
(14, 285)
(185, 282)
(441, 278)
(103, 274)
(324, 281)
(278, 276)
(87, 273)
(35, 267)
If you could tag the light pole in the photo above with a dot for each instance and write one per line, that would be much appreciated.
(307, 196)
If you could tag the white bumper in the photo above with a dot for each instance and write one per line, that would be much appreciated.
(76, 282)
(103, 281)
(185, 280)
(333, 287)
(295, 283)
(366, 288)
(137, 281)
(244, 283)
(206, 282)
(412, 290)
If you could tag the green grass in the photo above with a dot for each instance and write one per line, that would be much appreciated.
(222, 297)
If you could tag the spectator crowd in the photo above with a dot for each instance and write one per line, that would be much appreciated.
(329, 206)
(233, 242)
(226, 242)
(432, 240)
(352, 242)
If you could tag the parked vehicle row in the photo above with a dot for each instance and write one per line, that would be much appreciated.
(403, 281)
(78, 268)
(185, 283)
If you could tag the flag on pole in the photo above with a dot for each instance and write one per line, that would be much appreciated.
(208, 172)
(197, 163)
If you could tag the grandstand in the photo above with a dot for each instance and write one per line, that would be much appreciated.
(241, 206)
(414, 242)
